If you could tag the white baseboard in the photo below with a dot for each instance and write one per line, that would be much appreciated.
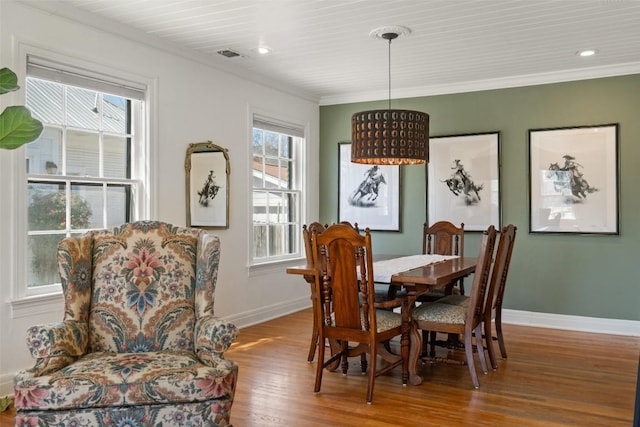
(572, 323)
(264, 314)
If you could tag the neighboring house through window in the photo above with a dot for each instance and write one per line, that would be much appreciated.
(277, 182)
(84, 172)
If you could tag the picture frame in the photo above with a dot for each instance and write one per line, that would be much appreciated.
(207, 177)
(463, 180)
(368, 195)
(573, 180)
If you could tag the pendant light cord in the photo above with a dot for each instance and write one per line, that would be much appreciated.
(390, 75)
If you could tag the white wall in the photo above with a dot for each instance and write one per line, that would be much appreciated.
(195, 102)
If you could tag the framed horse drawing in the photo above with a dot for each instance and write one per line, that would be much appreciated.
(463, 180)
(573, 180)
(368, 195)
(207, 178)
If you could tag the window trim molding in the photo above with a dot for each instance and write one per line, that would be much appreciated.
(14, 262)
(265, 266)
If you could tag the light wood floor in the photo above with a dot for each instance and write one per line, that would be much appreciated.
(552, 378)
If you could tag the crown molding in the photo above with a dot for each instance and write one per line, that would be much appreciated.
(489, 84)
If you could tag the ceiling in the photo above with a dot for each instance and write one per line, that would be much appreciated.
(322, 48)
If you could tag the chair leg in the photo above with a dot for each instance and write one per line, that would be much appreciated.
(313, 344)
(503, 349)
(319, 367)
(344, 349)
(363, 363)
(468, 350)
(480, 348)
(372, 372)
(489, 343)
(432, 343)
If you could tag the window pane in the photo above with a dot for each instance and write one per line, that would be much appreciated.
(292, 201)
(86, 206)
(42, 259)
(117, 209)
(44, 155)
(257, 141)
(83, 154)
(285, 167)
(115, 156)
(281, 207)
(45, 99)
(270, 143)
(47, 206)
(82, 108)
(278, 244)
(114, 114)
(260, 241)
(284, 146)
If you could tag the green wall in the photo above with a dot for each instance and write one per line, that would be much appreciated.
(590, 275)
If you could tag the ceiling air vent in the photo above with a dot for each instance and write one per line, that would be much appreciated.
(228, 53)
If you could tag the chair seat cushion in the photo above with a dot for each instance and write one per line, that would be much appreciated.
(387, 319)
(440, 313)
(119, 379)
(462, 300)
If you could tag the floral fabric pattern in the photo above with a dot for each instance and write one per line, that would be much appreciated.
(200, 414)
(118, 379)
(139, 344)
(437, 312)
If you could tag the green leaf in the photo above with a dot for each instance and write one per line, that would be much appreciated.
(17, 127)
(8, 81)
(5, 402)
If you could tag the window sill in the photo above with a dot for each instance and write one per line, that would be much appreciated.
(273, 267)
(28, 306)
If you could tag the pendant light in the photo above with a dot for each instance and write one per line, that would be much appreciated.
(390, 137)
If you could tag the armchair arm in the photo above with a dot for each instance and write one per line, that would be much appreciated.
(55, 345)
(214, 336)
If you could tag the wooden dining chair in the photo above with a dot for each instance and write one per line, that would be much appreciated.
(459, 319)
(444, 238)
(307, 231)
(346, 308)
(495, 294)
(441, 238)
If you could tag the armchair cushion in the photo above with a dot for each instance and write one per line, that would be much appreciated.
(114, 379)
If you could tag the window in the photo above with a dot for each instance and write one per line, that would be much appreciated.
(277, 181)
(81, 171)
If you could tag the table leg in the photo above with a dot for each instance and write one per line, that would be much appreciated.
(409, 347)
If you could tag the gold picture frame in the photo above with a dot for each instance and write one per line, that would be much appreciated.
(207, 177)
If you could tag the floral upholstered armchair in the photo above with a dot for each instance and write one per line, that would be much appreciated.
(139, 344)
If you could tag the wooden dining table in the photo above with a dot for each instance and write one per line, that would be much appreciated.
(415, 281)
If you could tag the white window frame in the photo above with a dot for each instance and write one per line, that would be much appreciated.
(143, 163)
(299, 156)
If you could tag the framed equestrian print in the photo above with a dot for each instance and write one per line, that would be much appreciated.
(463, 180)
(368, 195)
(573, 180)
(207, 177)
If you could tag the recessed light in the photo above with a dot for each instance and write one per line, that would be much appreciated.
(586, 52)
(263, 50)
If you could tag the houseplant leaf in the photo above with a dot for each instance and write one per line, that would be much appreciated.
(17, 127)
(8, 81)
